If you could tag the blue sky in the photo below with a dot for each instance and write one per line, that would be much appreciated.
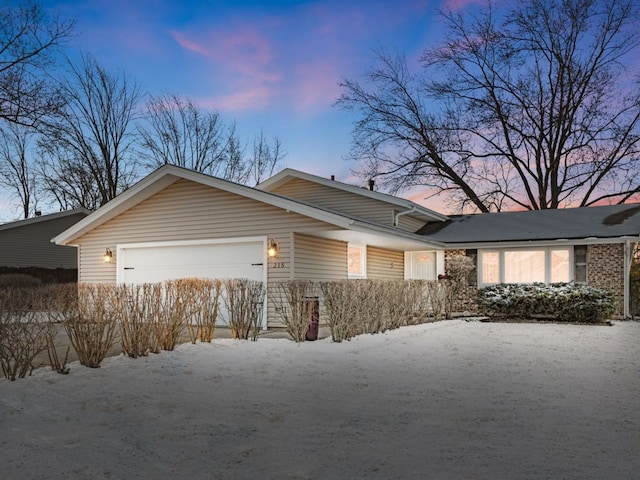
(272, 65)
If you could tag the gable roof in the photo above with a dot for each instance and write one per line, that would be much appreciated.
(611, 221)
(43, 218)
(289, 174)
(169, 174)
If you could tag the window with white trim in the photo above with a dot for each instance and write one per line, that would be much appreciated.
(357, 261)
(525, 265)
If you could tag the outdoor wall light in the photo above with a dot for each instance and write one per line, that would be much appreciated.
(108, 255)
(272, 249)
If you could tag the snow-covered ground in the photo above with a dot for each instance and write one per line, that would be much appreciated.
(447, 400)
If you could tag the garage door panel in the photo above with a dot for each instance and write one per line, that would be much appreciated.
(158, 263)
(160, 273)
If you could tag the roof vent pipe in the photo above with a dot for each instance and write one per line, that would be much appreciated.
(371, 184)
(333, 177)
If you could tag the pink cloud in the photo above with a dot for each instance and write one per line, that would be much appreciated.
(250, 98)
(294, 60)
(316, 84)
(188, 44)
(241, 65)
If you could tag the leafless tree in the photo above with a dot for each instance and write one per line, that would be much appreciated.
(265, 159)
(178, 132)
(68, 181)
(88, 144)
(17, 171)
(537, 107)
(29, 43)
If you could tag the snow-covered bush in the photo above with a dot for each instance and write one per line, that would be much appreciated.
(567, 302)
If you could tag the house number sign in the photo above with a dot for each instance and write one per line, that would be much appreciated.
(277, 265)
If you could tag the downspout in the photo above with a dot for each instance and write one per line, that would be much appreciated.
(399, 214)
(628, 253)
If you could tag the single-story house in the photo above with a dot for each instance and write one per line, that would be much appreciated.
(178, 223)
(26, 243)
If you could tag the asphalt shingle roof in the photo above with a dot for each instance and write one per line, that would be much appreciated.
(569, 223)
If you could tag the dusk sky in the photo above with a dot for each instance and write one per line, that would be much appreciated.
(271, 65)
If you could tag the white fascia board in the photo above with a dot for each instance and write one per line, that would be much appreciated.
(395, 233)
(281, 177)
(168, 174)
(140, 191)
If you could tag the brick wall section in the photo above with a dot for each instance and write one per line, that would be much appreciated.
(467, 302)
(605, 270)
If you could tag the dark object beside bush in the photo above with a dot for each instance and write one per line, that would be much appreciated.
(566, 302)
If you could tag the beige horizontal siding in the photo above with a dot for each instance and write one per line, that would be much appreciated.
(319, 259)
(346, 202)
(190, 211)
(316, 259)
(410, 224)
(30, 245)
(385, 264)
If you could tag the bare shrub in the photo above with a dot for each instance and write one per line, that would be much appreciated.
(92, 328)
(340, 308)
(57, 365)
(456, 279)
(244, 301)
(436, 296)
(172, 313)
(354, 307)
(403, 301)
(295, 300)
(134, 304)
(23, 334)
(18, 280)
(203, 310)
(62, 302)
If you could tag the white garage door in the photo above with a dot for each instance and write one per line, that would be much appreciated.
(149, 263)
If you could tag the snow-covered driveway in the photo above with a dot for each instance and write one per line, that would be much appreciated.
(447, 400)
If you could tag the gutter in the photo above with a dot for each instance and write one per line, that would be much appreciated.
(399, 214)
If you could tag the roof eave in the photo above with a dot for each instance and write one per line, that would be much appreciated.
(288, 173)
(541, 242)
(169, 174)
(44, 218)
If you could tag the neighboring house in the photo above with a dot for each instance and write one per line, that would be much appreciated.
(178, 223)
(27, 243)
